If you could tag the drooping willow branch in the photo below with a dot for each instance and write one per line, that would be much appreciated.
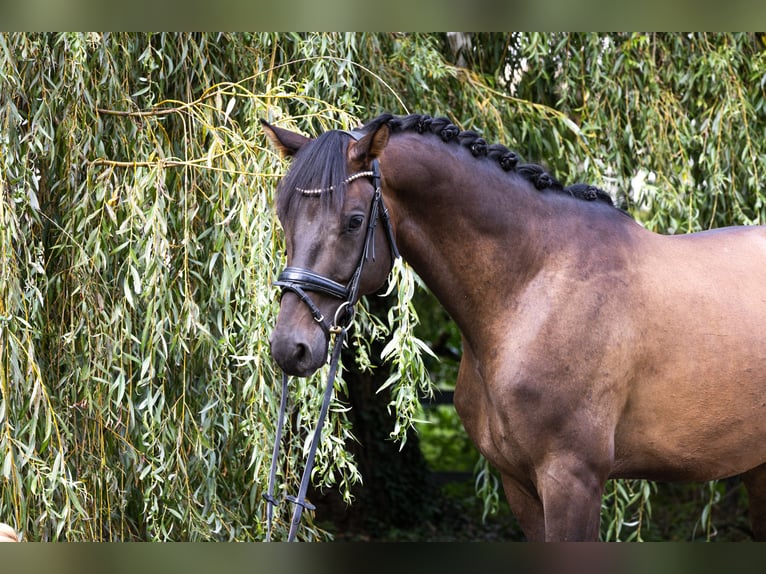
(140, 113)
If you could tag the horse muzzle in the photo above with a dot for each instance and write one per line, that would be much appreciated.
(298, 344)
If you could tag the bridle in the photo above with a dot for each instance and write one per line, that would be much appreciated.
(299, 281)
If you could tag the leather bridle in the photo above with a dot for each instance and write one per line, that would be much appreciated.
(299, 281)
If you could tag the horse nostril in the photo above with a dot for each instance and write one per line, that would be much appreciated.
(302, 354)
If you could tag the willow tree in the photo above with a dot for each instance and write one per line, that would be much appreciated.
(138, 241)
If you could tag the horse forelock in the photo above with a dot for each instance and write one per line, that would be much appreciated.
(316, 175)
(506, 159)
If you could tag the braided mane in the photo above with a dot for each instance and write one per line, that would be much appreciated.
(505, 158)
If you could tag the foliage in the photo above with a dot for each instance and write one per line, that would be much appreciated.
(139, 246)
(138, 242)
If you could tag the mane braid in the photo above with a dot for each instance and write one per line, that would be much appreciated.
(508, 160)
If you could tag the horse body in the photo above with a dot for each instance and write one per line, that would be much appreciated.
(698, 394)
(592, 348)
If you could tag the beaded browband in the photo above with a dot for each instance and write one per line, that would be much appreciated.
(349, 179)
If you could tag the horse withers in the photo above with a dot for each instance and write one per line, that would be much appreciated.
(592, 348)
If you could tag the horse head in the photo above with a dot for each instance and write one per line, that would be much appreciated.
(329, 204)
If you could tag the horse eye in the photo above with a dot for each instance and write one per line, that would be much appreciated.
(355, 223)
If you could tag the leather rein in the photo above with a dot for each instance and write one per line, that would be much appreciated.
(301, 281)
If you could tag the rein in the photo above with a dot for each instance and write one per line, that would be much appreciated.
(298, 281)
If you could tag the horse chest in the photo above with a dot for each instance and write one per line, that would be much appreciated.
(486, 421)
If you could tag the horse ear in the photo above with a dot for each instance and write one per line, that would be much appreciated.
(286, 142)
(370, 146)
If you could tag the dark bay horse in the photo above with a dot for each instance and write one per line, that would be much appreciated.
(592, 347)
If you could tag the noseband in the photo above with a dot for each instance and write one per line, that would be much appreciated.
(298, 280)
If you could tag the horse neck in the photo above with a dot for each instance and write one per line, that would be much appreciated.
(474, 233)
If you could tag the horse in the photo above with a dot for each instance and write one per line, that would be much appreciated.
(592, 348)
